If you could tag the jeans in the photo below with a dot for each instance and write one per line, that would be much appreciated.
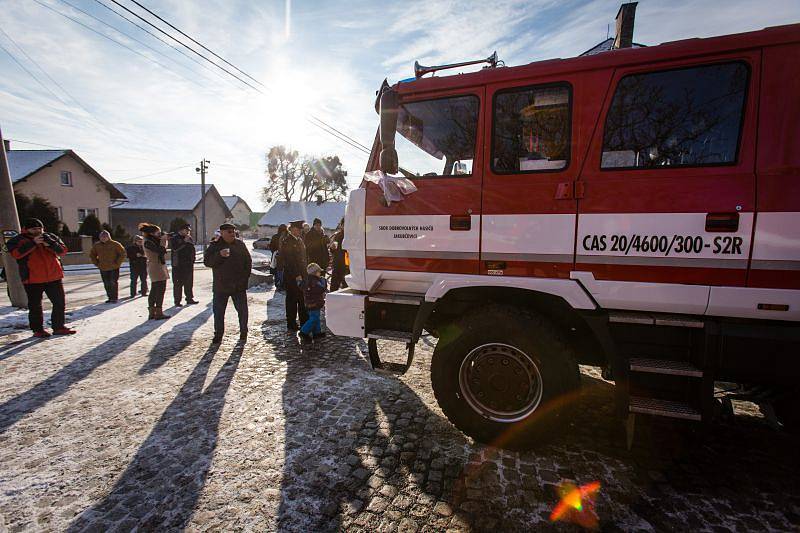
(55, 293)
(111, 283)
(157, 290)
(220, 303)
(182, 280)
(137, 275)
(312, 326)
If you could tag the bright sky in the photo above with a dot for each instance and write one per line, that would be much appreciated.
(136, 121)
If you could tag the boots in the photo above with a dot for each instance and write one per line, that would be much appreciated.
(150, 312)
(158, 314)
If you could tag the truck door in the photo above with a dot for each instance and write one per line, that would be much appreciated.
(669, 183)
(538, 136)
(776, 253)
(436, 228)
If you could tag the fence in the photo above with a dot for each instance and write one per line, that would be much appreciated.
(73, 243)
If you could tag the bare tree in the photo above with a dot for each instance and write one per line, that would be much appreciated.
(291, 176)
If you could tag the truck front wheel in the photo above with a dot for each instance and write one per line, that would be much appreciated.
(503, 376)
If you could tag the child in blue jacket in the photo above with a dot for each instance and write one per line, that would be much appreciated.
(314, 289)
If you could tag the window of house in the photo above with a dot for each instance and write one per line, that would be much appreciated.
(66, 178)
(684, 117)
(531, 129)
(85, 212)
(437, 137)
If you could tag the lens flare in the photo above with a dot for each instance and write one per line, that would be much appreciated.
(577, 505)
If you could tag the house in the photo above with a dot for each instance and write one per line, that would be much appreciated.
(330, 213)
(68, 182)
(239, 209)
(160, 204)
(623, 38)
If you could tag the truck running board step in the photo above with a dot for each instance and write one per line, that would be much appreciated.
(664, 366)
(679, 321)
(397, 298)
(668, 408)
(391, 335)
(375, 358)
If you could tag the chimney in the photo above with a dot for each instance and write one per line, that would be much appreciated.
(7, 145)
(625, 18)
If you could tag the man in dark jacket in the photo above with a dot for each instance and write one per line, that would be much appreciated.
(294, 260)
(340, 268)
(230, 261)
(317, 245)
(37, 254)
(274, 246)
(183, 254)
(138, 264)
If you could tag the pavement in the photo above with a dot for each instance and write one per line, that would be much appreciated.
(143, 424)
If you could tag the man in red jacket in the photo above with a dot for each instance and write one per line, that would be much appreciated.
(37, 254)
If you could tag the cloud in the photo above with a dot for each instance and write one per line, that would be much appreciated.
(331, 65)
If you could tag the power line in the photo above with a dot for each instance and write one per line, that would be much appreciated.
(198, 43)
(184, 54)
(116, 42)
(184, 45)
(101, 21)
(154, 174)
(89, 151)
(341, 135)
(32, 75)
(15, 43)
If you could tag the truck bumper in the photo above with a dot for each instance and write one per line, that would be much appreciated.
(344, 313)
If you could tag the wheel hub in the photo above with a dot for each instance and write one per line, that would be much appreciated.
(500, 382)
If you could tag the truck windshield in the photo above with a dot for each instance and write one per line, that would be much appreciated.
(437, 137)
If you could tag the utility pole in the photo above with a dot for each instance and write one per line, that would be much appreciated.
(9, 221)
(202, 170)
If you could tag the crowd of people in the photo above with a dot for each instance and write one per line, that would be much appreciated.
(301, 257)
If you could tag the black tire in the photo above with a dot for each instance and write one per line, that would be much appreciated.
(483, 356)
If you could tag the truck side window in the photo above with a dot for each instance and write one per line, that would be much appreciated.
(531, 130)
(437, 137)
(681, 117)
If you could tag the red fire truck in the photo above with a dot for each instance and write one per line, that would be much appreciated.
(637, 210)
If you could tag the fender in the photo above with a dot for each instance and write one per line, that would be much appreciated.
(569, 290)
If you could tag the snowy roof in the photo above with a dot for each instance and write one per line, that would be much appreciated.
(606, 46)
(232, 200)
(284, 212)
(23, 163)
(164, 196)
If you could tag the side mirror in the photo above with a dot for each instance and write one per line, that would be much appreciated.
(388, 113)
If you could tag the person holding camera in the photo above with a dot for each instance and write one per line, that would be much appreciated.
(230, 263)
(183, 254)
(37, 254)
(108, 255)
(155, 250)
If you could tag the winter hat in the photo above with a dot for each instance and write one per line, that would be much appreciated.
(32, 223)
(313, 268)
(146, 227)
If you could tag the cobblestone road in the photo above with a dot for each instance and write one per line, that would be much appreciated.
(148, 426)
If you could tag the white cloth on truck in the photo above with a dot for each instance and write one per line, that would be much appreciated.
(394, 188)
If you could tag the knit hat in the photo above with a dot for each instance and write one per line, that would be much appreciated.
(32, 223)
(313, 268)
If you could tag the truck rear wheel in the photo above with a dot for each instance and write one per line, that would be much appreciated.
(502, 376)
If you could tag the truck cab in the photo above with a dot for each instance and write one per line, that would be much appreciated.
(638, 210)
